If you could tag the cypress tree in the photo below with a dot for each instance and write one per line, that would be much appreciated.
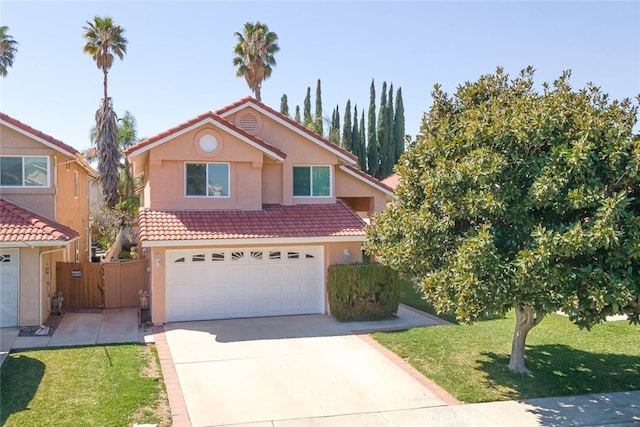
(297, 117)
(362, 156)
(383, 133)
(347, 140)
(398, 127)
(318, 119)
(391, 149)
(334, 130)
(284, 105)
(373, 159)
(355, 133)
(308, 121)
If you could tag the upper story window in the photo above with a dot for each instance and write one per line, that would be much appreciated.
(24, 171)
(312, 181)
(207, 179)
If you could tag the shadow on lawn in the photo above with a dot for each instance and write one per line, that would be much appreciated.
(20, 377)
(560, 370)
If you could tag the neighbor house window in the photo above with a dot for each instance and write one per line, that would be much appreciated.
(207, 179)
(24, 171)
(312, 181)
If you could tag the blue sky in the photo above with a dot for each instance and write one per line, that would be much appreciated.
(179, 58)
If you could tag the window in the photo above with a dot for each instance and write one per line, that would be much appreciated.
(312, 181)
(207, 179)
(24, 171)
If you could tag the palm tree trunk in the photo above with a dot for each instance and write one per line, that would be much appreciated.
(258, 93)
(104, 84)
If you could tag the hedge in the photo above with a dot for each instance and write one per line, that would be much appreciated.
(367, 291)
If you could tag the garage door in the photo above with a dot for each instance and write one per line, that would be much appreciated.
(254, 282)
(9, 269)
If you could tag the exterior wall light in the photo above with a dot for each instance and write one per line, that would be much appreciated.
(158, 260)
(346, 255)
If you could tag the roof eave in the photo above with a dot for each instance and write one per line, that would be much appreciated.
(252, 241)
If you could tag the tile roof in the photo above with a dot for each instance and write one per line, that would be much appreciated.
(392, 180)
(273, 221)
(38, 134)
(208, 115)
(20, 225)
(293, 123)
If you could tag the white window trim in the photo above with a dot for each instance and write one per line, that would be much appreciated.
(48, 185)
(206, 196)
(311, 196)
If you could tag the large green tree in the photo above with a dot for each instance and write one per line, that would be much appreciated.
(355, 133)
(334, 129)
(8, 50)
(515, 199)
(362, 155)
(255, 55)
(104, 39)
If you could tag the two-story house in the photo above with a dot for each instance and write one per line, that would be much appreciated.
(243, 210)
(44, 218)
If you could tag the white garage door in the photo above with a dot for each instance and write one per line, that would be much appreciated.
(225, 283)
(9, 269)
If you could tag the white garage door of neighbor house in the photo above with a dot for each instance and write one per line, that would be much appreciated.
(9, 277)
(206, 284)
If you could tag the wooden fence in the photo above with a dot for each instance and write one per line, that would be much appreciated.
(95, 285)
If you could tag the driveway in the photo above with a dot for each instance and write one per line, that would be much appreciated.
(286, 368)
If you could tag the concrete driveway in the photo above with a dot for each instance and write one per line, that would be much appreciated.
(295, 368)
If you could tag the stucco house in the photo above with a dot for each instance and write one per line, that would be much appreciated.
(243, 210)
(44, 218)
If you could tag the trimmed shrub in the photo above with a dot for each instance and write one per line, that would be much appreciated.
(366, 291)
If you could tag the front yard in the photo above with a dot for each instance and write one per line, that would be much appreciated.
(114, 385)
(470, 362)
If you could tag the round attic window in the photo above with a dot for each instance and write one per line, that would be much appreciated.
(208, 143)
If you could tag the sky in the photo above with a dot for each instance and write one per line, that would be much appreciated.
(179, 56)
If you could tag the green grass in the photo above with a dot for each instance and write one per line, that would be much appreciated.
(470, 362)
(113, 385)
(410, 296)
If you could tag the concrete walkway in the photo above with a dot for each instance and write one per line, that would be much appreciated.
(106, 326)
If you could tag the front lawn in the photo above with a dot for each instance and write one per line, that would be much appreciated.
(470, 362)
(410, 296)
(113, 385)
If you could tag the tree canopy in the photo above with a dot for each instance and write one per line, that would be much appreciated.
(8, 50)
(514, 198)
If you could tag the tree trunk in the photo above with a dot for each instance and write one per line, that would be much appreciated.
(104, 84)
(525, 320)
(258, 93)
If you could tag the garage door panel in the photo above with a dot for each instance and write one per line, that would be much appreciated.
(9, 278)
(215, 284)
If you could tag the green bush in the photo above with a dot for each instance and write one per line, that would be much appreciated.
(366, 291)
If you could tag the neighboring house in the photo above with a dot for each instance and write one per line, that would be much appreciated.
(44, 218)
(243, 210)
(392, 180)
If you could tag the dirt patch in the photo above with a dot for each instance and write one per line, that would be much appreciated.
(52, 322)
(161, 410)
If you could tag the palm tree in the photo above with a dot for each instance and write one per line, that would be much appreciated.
(255, 54)
(104, 39)
(8, 50)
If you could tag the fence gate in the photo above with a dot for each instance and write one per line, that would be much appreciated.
(95, 285)
(81, 284)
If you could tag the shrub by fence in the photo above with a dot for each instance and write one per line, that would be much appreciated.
(367, 291)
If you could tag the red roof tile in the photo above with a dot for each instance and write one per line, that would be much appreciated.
(36, 133)
(195, 120)
(20, 225)
(273, 221)
(251, 100)
(392, 180)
